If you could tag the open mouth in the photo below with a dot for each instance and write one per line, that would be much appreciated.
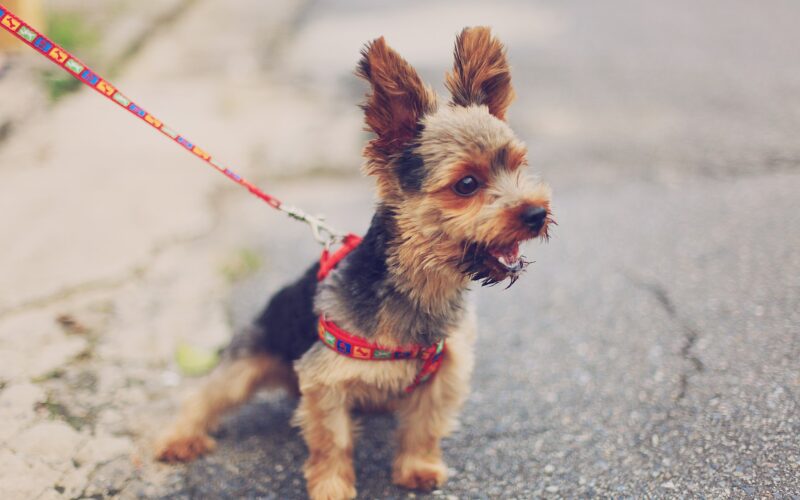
(492, 264)
(508, 257)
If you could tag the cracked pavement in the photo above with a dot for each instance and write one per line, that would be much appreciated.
(652, 349)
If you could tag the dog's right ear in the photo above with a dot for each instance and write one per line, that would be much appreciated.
(395, 104)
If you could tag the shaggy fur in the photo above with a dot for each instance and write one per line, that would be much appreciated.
(455, 203)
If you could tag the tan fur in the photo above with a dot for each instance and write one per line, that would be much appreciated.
(397, 101)
(461, 141)
(325, 421)
(420, 263)
(517, 156)
(231, 384)
(333, 385)
(481, 74)
(432, 227)
(429, 414)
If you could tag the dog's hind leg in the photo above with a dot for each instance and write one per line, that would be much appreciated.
(232, 383)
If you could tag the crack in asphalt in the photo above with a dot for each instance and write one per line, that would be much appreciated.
(99, 285)
(166, 20)
(160, 23)
(690, 334)
(117, 63)
(104, 284)
(135, 272)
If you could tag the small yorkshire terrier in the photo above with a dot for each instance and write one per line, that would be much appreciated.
(384, 325)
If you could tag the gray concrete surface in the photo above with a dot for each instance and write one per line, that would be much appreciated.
(112, 32)
(653, 349)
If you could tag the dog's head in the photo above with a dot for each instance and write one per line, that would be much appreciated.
(455, 174)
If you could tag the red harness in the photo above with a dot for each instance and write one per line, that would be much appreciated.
(351, 346)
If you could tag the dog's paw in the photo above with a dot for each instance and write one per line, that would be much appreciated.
(419, 474)
(331, 488)
(183, 447)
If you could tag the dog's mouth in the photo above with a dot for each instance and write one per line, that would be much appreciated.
(508, 257)
(493, 264)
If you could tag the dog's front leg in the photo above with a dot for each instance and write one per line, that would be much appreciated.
(324, 419)
(429, 414)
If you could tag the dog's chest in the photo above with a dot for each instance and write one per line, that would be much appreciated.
(362, 380)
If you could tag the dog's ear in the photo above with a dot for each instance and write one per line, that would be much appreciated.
(395, 104)
(480, 74)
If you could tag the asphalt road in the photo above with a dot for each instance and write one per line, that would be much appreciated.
(653, 349)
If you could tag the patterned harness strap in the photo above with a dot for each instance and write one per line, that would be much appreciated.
(347, 344)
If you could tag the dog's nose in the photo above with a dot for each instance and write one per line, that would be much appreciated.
(534, 217)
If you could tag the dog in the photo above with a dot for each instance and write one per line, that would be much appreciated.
(384, 323)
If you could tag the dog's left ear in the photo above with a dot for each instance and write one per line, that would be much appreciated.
(397, 102)
(480, 75)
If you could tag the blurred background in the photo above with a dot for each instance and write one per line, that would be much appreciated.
(653, 349)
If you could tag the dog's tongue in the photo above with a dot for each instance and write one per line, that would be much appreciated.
(508, 256)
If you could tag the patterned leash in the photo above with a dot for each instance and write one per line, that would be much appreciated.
(323, 233)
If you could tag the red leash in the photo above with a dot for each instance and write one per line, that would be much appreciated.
(330, 334)
(72, 65)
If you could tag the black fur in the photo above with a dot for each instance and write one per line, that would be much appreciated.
(366, 286)
(362, 281)
(479, 265)
(410, 169)
(288, 326)
(500, 160)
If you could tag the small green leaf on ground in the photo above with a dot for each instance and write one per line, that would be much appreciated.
(194, 361)
(240, 265)
(69, 30)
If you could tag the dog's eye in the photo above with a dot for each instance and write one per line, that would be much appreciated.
(466, 186)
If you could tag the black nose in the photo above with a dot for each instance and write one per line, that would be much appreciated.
(534, 217)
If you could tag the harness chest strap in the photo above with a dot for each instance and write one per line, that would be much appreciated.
(346, 344)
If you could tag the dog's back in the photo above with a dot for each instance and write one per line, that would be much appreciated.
(287, 326)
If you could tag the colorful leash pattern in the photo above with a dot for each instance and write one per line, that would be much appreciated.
(330, 334)
(72, 65)
(354, 347)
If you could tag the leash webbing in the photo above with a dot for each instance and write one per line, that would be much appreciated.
(72, 65)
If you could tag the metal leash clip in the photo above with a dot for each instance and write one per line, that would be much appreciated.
(323, 233)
